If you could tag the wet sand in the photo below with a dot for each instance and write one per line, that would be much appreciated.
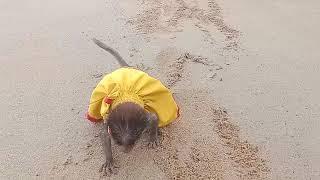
(244, 73)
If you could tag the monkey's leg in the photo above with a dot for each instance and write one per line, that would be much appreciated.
(106, 143)
(153, 129)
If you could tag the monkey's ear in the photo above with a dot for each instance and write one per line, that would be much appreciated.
(108, 130)
(107, 126)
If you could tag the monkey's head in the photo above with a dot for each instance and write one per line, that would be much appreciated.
(126, 122)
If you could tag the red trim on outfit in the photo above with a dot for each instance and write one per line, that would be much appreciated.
(108, 100)
(178, 112)
(92, 119)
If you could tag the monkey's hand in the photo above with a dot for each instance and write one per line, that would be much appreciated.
(108, 168)
(106, 143)
(154, 141)
(154, 131)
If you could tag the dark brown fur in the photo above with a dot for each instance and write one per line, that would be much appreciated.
(127, 122)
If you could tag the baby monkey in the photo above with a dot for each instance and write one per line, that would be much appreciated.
(129, 102)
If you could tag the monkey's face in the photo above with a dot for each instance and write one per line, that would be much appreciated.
(127, 122)
(126, 138)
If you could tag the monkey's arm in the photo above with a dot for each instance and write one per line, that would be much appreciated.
(153, 129)
(106, 143)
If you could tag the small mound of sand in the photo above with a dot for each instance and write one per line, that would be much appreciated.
(205, 144)
(244, 155)
(166, 16)
(175, 68)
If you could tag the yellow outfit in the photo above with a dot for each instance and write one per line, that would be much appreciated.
(131, 85)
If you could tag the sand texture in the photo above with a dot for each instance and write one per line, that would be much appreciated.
(245, 74)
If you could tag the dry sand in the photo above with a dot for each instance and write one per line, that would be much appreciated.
(245, 73)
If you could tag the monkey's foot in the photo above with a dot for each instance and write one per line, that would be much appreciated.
(153, 145)
(108, 168)
(154, 142)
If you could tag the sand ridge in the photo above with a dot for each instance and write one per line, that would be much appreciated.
(217, 146)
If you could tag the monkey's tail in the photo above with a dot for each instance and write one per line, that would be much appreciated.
(120, 60)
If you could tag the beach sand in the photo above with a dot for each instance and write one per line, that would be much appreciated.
(245, 74)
